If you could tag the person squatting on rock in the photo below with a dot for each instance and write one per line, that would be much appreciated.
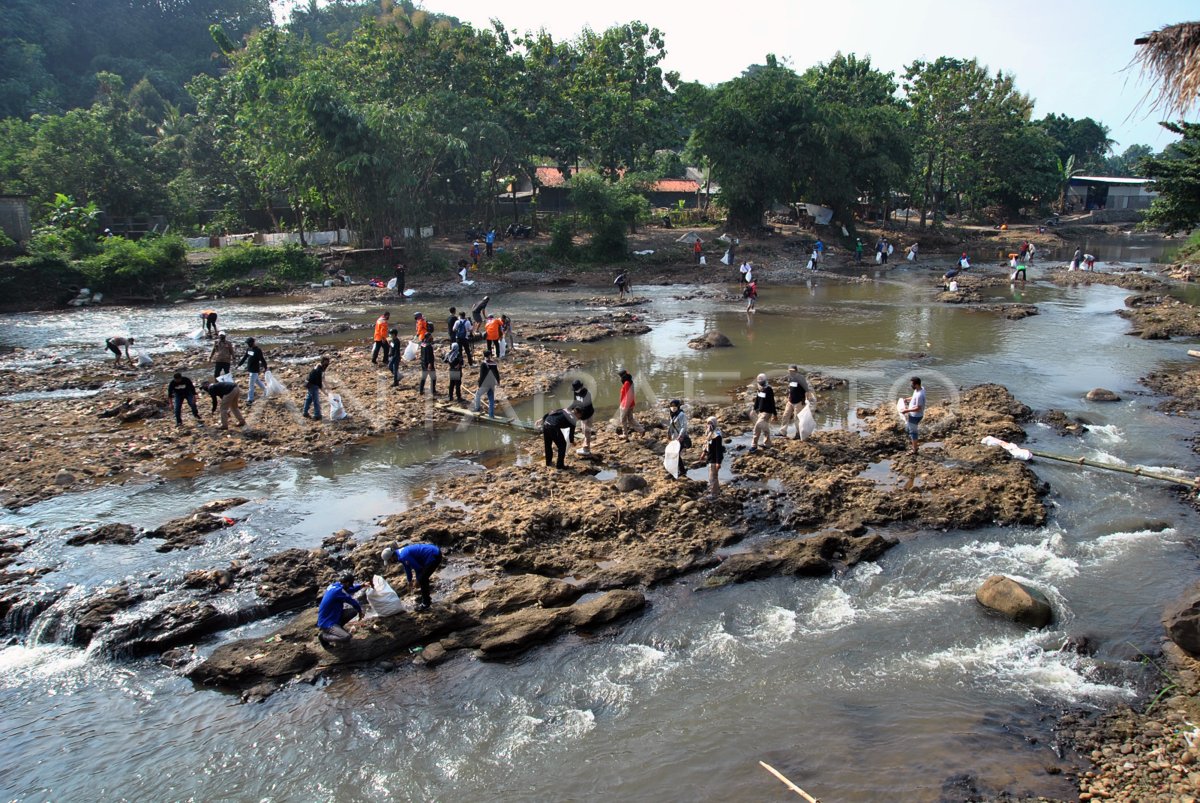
(394, 359)
(799, 391)
(625, 419)
(552, 425)
(462, 336)
(714, 455)
(338, 606)
(583, 409)
(225, 394)
(454, 359)
(313, 385)
(428, 365)
(221, 356)
(381, 338)
(677, 427)
(419, 561)
(764, 410)
(914, 412)
(256, 363)
(179, 390)
(492, 332)
(114, 344)
(489, 379)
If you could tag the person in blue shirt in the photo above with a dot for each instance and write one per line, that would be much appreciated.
(820, 250)
(338, 606)
(490, 240)
(419, 560)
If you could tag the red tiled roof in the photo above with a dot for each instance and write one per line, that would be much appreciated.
(550, 177)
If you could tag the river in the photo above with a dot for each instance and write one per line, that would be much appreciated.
(886, 679)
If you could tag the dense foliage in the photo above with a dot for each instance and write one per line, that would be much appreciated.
(1177, 177)
(383, 118)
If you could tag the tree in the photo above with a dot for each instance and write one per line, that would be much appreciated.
(1176, 174)
(1128, 162)
(1085, 139)
(608, 208)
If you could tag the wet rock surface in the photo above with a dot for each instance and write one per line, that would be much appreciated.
(710, 340)
(1102, 395)
(1016, 601)
(106, 534)
(190, 530)
(1160, 317)
(1130, 280)
(585, 330)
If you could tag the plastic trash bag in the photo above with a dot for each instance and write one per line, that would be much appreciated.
(1012, 262)
(382, 598)
(1013, 276)
(953, 285)
(911, 256)
(198, 334)
(806, 425)
(891, 249)
(391, 285)
(337, 410)
(809, 266)
(963, 263)
(502, 347)
(410, 351)
(703, 260)
(901, 406)
(725, 259)
(878, 257)
(226, 378)
(671, 459)
(274, 386)
(144, 361)
(1011, 448)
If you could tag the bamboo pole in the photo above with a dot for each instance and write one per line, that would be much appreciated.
(788, 783)
(1136, 470)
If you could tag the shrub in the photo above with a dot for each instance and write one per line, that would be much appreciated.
(286, 262)
(127, 266)
(562, 238)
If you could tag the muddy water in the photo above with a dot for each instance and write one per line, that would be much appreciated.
(885, 678)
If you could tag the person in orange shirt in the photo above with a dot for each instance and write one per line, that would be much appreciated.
(422, 326)
(492, 329)
(381, 338)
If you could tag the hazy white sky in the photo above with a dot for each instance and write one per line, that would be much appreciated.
(1070, 55)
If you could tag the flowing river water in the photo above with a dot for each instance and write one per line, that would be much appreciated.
(885, 679)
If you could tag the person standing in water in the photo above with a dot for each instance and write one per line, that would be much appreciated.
(622, 285)
(914, 412)
(477, 312)
(751, 294)
(209, 319)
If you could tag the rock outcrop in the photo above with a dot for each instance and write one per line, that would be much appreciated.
(1016, 601)
(710, 340)
(1181, 618)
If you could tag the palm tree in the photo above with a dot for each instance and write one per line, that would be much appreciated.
(1066, 172)
(1171, 57)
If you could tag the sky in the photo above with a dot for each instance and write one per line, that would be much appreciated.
(1071, 56)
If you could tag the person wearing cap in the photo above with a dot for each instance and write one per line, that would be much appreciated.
(764, 409)
(428, 365)
(226, 395)
(552, 425)
(338, 606)
(114, 344)
(625, 419)
(489, 379)
(394, 359)
(799, 393)
(422, 325)
(221, 356)
(714, 455)
(583, 409)
(677, 427)
(420, 561)
(314, 383)
(381, 338)
(255, 362)
(492, 333)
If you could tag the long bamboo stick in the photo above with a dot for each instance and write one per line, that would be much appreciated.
(788, 783)
(1136, 470)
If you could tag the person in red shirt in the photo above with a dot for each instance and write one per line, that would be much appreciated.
(625, 419)
(422, 327)
(697, 250)
(381, 338)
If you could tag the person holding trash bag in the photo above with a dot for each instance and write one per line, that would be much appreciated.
(314, 384)
(914, 412)
(381, 338)
(209, 319)
(419, 561)
(799, 392)
(179, 390)
(338, 606)
(256, 363)
(552, 425)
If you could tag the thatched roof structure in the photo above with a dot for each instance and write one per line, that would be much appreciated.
(1171, 57)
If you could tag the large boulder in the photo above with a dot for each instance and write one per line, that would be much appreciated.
(1102, 395)
(817, 555)
(711, 340)
(106, 534)
(1182, 620)
(1016, 601)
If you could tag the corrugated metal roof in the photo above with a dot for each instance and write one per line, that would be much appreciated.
(1110, 180)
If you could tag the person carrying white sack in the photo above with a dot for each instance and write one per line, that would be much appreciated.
(799, 393)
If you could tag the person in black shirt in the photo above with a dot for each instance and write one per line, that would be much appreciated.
(428, 365)
(179, 390)
(714, 455)
(552, 426)
(489, 378)
(583, 409)
(478, 311)
(256, 363)
(451, 322)
(316, 381)
(454, 359)
(226, 394)
(764, 409)
(394, 358)
(462, 335)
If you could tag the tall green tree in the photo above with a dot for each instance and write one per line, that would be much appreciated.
(1176, 174)
(1085, 139)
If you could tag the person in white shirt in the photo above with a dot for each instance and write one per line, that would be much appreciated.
(914, 412)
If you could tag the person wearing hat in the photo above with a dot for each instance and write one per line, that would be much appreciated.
(625, 419)
(255, 362)
(478, 311)
(381, 338)
(714, 455)
(338, 606)
(420, 561)
(677, 428)
(583, 409)
(764, 409)
(221, 356)
(552, 425)
(314, 383)
(799, 393)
